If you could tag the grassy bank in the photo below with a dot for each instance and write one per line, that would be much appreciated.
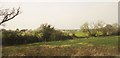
(93, 46)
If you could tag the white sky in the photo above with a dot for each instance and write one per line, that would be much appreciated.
(60, 0)
(62, 15)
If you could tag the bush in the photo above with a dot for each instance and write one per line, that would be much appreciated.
(50, 34)
(10, 37)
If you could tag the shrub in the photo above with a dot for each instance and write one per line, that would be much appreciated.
(50, 34)
(10, 37)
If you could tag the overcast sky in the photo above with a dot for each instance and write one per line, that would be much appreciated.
(62, 15)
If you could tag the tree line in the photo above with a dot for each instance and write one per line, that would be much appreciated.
(47, 32)
(44, 33)
(100, 29)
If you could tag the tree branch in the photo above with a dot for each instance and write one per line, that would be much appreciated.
(9, 16)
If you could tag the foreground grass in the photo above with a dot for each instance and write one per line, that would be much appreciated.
(93, 46)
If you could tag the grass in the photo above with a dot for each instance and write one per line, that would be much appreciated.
(93, 46)
(93, 41)
(80, 34)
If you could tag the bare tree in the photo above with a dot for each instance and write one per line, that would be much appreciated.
(85, 28)
(98, 27)
(8, 14)
(93, 29)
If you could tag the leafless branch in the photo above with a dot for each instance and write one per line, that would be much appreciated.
(7, 14)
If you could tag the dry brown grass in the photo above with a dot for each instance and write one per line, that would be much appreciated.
(61, 51)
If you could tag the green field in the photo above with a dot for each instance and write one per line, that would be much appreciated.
(111, 41)
(76, 47)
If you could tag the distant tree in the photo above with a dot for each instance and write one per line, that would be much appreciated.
(85, 28)
(8, 14)
(46, 31)
(116, 29)
(49, 33)
(98, 27)
(108, 29)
